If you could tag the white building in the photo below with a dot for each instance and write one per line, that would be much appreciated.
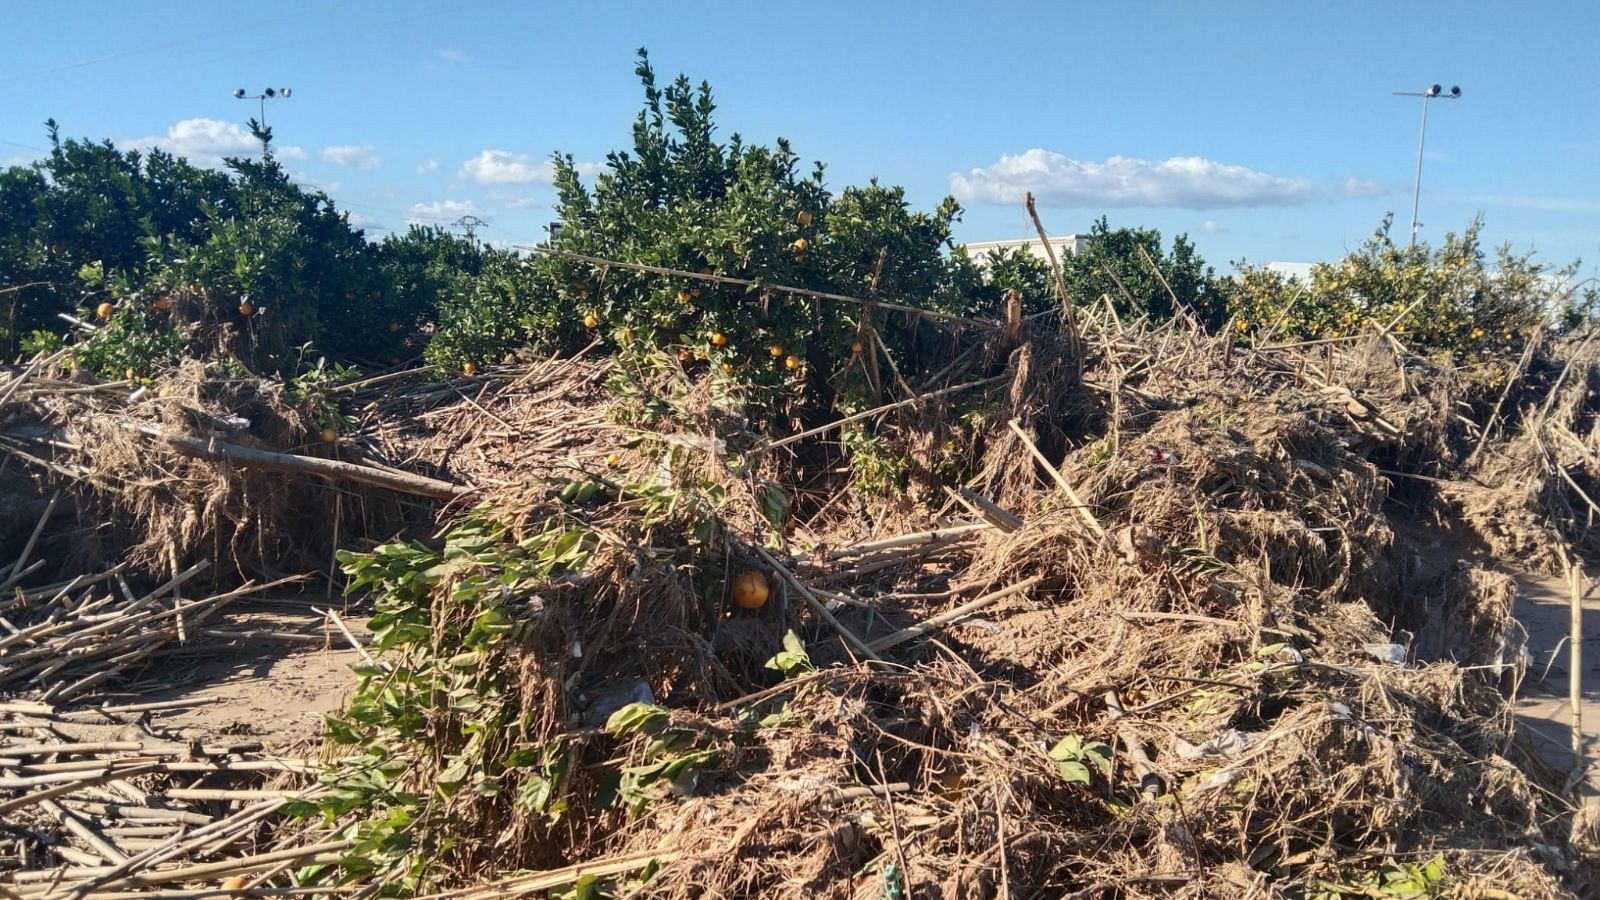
(1063, 244)
(1300, 270)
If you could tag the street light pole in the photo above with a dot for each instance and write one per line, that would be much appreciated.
(1422, 138)
(261, 99)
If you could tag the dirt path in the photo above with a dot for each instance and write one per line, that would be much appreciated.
(265, 689)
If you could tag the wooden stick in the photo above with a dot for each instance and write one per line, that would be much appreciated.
(952, 616)
(339, 623)
(1149, 781)
(1512, 381)
(817, 606)
(112, 773)
(993, 512)
(908, 540)
(181, 844)
(1074, 337)
(88, 835)
(18, 567)
(251, 458)
(777, 288)
(520, 885)
(1177, 305)
(877, 410)
(1061, 482)
(1575, 585)
(75, 748)
(228, 794)
(323, 853)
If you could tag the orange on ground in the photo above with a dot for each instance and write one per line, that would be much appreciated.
(750, 590)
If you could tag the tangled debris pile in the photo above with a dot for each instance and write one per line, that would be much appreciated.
(1187, 661)
(1148, 626)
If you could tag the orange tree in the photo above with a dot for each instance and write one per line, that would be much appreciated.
(1454, 299)
(684, 199)
(241, 261)
(1117, 264)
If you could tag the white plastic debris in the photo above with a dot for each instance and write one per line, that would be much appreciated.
(1389, 653)
(1226, 743)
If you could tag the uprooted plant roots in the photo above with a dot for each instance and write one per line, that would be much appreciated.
(1175, 677)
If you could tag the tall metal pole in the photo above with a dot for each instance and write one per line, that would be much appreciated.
(1416, 192)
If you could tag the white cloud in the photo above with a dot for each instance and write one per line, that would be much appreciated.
(356, 156)
(1361, 187)
(362, 220)
(205, 142)
(1212, 227)
(451, 55)
(505, 167)
(306, 181)
(1187, 182)
(442, 212)
(427, 166)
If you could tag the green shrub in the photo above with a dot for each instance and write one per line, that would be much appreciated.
(1451, 299)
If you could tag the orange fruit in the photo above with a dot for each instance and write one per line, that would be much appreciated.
(131, 374)
(684, 356)
(800, 245)
(591, 320)
(776, 350)
(235, 882)
(104, 310)
(329, 435)
(791, 362)
(750, 590)
(163, 302)
(857, 347)
(247, 308)
(683, 297)
(469, 368)
(803, 217)
(719, 339)
(613, 460)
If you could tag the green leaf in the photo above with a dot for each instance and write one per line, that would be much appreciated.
(1074, 772)
(637, 717)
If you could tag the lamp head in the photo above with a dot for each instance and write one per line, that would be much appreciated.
(1455, 92)
(239, 92)
(1434, 91)
(270, 93)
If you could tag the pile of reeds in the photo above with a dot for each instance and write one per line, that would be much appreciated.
(1161, 642)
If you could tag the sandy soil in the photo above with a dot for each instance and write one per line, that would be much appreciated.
(265, 689)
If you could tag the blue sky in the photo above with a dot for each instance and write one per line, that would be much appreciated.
(1265, 131)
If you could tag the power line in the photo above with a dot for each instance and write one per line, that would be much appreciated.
(167, 45)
